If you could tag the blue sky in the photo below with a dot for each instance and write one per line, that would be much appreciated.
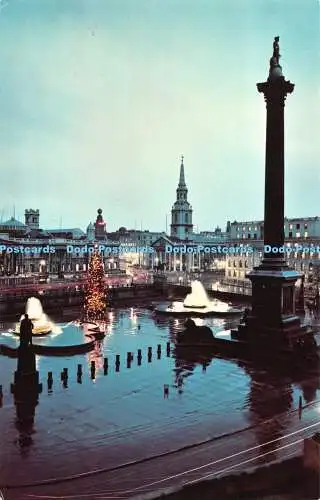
(99, 98)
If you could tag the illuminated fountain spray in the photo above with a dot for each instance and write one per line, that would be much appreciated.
(41, 323)
(198, 296)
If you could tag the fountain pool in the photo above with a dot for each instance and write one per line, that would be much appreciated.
(197, 303)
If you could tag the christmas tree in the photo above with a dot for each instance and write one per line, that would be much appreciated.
(95, 296)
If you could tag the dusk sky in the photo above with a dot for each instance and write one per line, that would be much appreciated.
(99, 98)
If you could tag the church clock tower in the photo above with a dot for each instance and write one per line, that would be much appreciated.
(181, 213)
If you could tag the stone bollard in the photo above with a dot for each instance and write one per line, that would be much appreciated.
(117, 362)
(139, 357)
(129, 359)
(105, 366)
(166, 390)
(93, 369)
(168, 349)
(300, 407)
(50, 381)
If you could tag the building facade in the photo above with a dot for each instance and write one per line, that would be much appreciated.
(306, 228)
(25, 249)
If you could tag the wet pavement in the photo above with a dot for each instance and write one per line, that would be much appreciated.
(123, 416)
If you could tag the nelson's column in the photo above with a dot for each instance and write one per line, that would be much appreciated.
(273, 315)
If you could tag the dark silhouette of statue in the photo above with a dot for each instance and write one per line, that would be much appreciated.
(245, 316)
(274, 61)
(276, 54)
(26, 327)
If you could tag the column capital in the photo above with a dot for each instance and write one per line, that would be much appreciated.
(275, 92)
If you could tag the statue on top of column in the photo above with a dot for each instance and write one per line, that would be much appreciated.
(274, 61)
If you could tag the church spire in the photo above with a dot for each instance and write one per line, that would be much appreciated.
(182, 182)
(181, 213)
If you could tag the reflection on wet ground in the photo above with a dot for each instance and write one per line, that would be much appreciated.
(140, 408)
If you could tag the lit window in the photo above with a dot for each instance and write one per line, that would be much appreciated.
(249, 228)
(244, 228)
(298, 235)
(306, 234)
(290, 226)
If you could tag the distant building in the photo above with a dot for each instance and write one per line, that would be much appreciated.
(34, 246)
(252, 230)
(181, 213)
(141, 243)
(303, 228)
(217, 235)
(100, 227)
(13, 228)
(31, 218)
(297, 231)
(90, 232)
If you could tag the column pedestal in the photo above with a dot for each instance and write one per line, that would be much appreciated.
(273, 306)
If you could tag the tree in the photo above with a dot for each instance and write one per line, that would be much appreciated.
(95, 299)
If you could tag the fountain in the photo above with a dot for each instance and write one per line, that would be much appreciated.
(41, 323)
(197, 303)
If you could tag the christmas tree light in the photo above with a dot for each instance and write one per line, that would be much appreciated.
(95, 299)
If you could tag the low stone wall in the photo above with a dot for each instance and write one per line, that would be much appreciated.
(285, 480)
(118, 296)
(13, 305)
